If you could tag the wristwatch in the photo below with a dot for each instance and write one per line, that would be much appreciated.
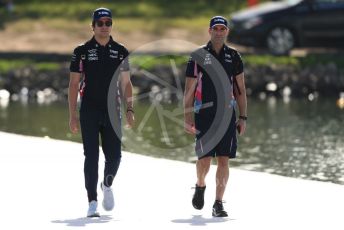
(243, 118)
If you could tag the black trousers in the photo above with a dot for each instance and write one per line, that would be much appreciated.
(94, 122)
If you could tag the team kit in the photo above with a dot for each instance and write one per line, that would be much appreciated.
(214, 102)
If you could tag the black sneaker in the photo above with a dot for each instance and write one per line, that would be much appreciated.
(218, 210)
(198, 197)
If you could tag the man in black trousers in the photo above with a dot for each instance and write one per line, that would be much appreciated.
(95, 63)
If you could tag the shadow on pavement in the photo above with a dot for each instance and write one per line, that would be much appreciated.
(83, 221)
(199, 220)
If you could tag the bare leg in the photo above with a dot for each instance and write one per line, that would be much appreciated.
(202, 167)
(222, 174)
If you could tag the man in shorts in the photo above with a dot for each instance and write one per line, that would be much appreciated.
(206, 100)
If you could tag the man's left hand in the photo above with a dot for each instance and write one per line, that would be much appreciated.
(241, 126)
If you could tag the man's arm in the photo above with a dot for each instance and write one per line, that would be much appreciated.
(190, 85)
(72, 100)
(242, 101)
(127, 89)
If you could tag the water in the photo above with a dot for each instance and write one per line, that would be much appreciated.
(300, 139)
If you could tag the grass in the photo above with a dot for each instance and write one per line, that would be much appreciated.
(263, 60)
(324, 59)
(302, 62)
(149, 62)
(46, 66)
(8, 65)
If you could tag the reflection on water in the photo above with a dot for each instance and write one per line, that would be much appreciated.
(298, 139)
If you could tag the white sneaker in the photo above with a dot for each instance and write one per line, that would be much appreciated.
(108, 201)
(92, 209)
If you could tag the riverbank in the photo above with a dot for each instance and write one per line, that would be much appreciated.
(46, 75)
(44, 189)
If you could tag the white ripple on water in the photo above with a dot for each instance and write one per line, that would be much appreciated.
(298, 149)
(255, 149)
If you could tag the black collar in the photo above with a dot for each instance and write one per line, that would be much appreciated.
(94, 42)
(209, 47)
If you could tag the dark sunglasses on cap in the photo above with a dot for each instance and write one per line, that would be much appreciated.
(107, 23)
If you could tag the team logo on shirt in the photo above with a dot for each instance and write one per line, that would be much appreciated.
(113, 53)
(228, 58)
(92, 55)
(207, 59)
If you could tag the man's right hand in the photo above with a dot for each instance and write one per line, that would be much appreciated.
(189, 127)
(74, 124)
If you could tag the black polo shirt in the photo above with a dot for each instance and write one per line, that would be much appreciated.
(98, 64)
(205, 91)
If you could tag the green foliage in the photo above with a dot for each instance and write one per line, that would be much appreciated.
(302, 62)
(46, 66)
(324, 59)
(8, 65)
(260, 60)
(149, 61)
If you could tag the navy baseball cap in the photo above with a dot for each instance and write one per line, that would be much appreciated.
(101, 12)
(218, 20)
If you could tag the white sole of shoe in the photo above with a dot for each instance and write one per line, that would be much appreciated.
(94, 215)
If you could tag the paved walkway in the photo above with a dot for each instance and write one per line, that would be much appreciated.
(42, 188)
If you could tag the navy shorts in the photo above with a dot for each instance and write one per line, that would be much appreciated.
(227, 145)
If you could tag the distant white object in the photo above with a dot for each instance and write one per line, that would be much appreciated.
(4, 94)
(24, 92)
(286, 94)
(4, 103)
(286, 91)
(262, 96)
(4, 98)
(46, 96)
(272, 86)
(24, 95)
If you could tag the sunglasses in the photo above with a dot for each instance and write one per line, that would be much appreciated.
(107, 23)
